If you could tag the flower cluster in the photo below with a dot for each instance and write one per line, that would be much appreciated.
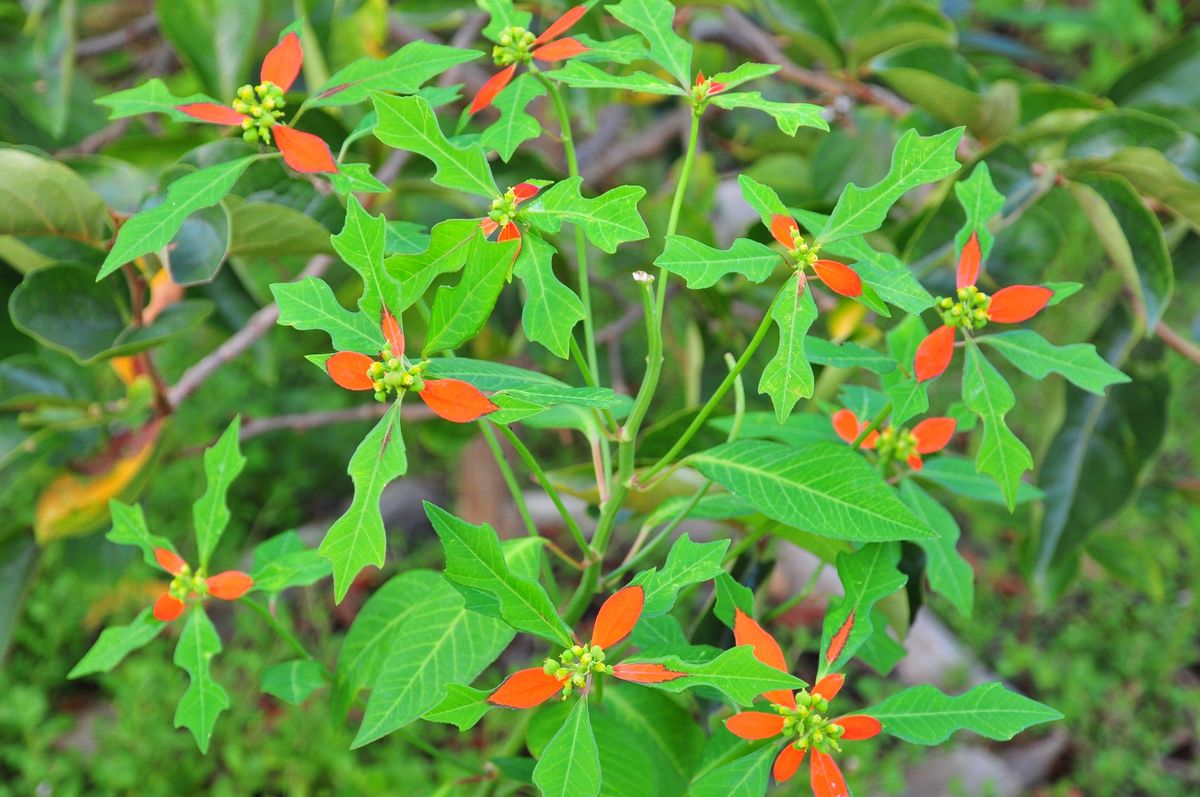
(516, 46)
(838, 277)
(188, 584)
(897, 444)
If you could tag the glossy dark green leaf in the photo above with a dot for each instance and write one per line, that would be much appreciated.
(41, 197)
(64, 307)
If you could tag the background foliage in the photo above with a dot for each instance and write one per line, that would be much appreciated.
(1086, 116)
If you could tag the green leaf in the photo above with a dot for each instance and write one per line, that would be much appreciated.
(488, 375)
(687, 563)
(409, 123)
(747, 776)
(608, 220)
(265, 229)
(762, 198)
(151, 230)
(153, 96)
(910, 398)
(222, 464)
(703, 266)
(981, 202)
(310, 304)
(442, 643)
(621, 50)
(116, 642)
(823, 488)
(402, 72)
(789, 116)
(129, 528)
(204, 698)
(655, 20)
(847, 355)
(462, 707)
(1078, 362)
(1132, 236)
(62, 306)
(916, 160)
(503, 15)
(476, 565)
(788, 377)
(731, 595)
(361, 245)
(356, 178)
(514, 127)
(744, 73)
(551, 310)
(449, 242)
(868, 575)
(925, 715)
(585, 76)
(284, 561)
(949, 574)
(41, 197)
(1001, 453)
(211, 37)
(293, 681)
(959, 476)
(736, 673)
(570, 764)
(460, 312)
(357, 539)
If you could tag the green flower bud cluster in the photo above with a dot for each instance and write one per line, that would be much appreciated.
(896, 444)
(805, 253)
(515, 46)
(968, 310)
(504, 208)
(187, 583)
(699, 94)
(392, 373)
(809, 726)
(575, 665)
(262, 106)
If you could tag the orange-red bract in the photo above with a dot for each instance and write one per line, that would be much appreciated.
(754, 725)
(494, 85)
(212, 113)
(304, 152)
(392, 333)
(838, 277)
(349, 370)
(968, 262)
(933, 434)
(859, 726)
(618, 615)
(829, 686)
(934, 353)
(456, 400)
(230, 585)
(746, 631)
(826, 779)
(560, 50)
(526, 689)
(782, 227)
(848, 427)
(524, 191)
(562, 24)
(786, 763)
(1018, 303)
(648, 673)
(282, 63)
(839, 640)
(170, 561)
(167, 608)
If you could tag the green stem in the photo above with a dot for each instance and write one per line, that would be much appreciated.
(510, 478)
(713, 400)
(283, 633)
(540, 475)
(677, 205)
(875, 423)
(800, 596)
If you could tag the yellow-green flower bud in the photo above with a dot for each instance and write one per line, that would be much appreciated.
(250, 136)
(585, 659)
(561, 673)
(579, 680)
(549, 666)
(577, 650)
(380, 395)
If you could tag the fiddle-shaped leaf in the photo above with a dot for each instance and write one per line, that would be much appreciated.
(460, 312)
(551, 309)
(222, 464)
(1079, 363)
(981, 202)
(204, 698)
(310, 304)
(736, 673)
(409, 123)
(361, 244)
(702, 266)
(129, 528)
(116, 642)
(514, 126)
(655, 20)
(608, 220)
(1001, 453)
(925, 715)
(585, 76)
(916, 160)
(868, 575)
(358, 539)
(402, 72)
(153, 96)
(788, 377)
(687, 563)
(446, 251)
(788, 116)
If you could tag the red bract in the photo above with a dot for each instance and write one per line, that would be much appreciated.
(928, 436)
(800, 717)
(503, 213)
(575, 666)
(452, 399)
(228, 586)
(518, 46)
(838, 277)
(257, 109)
(972, 309)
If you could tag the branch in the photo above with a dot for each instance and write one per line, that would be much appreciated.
(1178, 342)
(258, 325)
(304, 421)
(642, 145)
(116, 39)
